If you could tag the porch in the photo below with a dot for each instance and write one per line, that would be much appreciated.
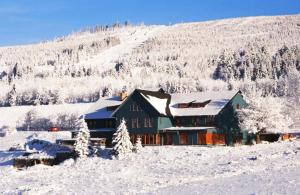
(182, 136)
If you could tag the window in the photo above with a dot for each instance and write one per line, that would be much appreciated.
(148, 122)
(182, 105)
(183, 138)
(167, 139)
(177, 122)
(135, 107)
(149, 139)
(135, 123)
(209, 120)
(194, 121)
(198, 122)
(152, 138)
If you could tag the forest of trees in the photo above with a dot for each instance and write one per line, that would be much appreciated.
(242, 53)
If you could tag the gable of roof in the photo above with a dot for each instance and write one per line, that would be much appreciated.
(159, 100)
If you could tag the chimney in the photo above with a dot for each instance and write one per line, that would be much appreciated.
(122, 96)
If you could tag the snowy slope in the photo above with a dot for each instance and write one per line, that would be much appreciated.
(259, 169)
(129, 40)
(180, 58)
(11, 116)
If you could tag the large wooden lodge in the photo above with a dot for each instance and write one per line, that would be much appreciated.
(159, 118)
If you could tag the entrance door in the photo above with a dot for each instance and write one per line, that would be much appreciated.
(168, 139)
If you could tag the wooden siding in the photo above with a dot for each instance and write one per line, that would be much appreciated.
(227, 120)
(146, 111)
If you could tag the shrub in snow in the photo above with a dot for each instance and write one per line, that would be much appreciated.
(264, 114)
(17, 147)
(138, 145)
(9, 130)
(121, 141)
(82, 142)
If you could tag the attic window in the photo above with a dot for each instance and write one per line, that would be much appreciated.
(193, 104)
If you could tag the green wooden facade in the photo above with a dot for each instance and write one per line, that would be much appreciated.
(144, 120)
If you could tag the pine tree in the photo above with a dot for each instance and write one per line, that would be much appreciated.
(82, 142)
(30, 119)
(12, 96)
(138, 145)
(121, 141)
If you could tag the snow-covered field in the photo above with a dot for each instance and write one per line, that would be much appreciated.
(259, 169)
(11, 116)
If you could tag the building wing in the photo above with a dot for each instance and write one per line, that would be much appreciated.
(200, 103)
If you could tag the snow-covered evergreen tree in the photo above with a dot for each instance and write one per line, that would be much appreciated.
(264, 114)
(138, 145)
(82, 142)
(29, 120)
(121, 141)
(12, 96)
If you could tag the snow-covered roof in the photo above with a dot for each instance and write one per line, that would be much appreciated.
(99, 108)
(166, 104)
(159, 104)
(218, 99)
(160, 101)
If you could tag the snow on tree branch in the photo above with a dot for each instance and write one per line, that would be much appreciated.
(82, 142)
(264, 114)
(122, 145)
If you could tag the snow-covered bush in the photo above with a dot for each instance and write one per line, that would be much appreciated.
(67, 121)
(8, 130)
(33, 122)
(82, 142)
(138, 145)
(17, 147)
(264, 114)
(122, 145)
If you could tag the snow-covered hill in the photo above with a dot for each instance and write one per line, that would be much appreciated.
(259, 52)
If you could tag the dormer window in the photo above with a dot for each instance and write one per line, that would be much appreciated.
(193, 104)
